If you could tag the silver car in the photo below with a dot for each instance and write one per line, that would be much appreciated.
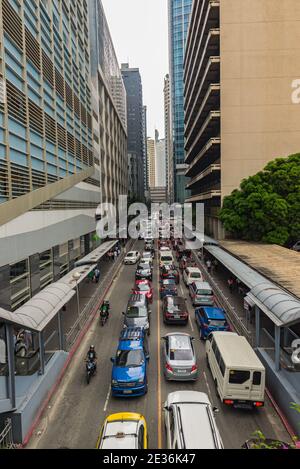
(180, 362)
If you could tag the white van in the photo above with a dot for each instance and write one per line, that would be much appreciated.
(238, 373)
(166, 258)
(190, 422)
(192, 274)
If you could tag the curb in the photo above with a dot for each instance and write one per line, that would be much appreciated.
(67, 363)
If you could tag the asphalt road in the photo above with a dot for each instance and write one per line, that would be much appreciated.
(76, 413)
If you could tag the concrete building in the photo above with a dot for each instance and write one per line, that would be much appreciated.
(135, 125)
(151, 162)
(109, 108)
(240, 68)
(168, 141)
(160, 158)
(49, 177)
(158, 195)
(146, 186)
(179, 14)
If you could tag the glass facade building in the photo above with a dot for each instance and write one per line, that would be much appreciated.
(49, 177)
(179, 14)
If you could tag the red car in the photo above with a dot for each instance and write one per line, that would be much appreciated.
(144, 287)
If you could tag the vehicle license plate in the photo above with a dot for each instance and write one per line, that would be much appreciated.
(127, 391)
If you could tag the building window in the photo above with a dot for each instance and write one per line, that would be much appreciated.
(64, 259)
(19, 283)
(46, 268)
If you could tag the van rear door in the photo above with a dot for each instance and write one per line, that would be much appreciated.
(258, 386)
(239, 385)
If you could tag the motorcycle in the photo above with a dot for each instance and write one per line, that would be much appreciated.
(104, 313)
(90, 369)
(103, 318)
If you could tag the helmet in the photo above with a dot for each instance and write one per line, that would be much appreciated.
(92, 347)
(106, 302)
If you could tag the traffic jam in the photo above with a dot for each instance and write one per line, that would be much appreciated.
(189, 417)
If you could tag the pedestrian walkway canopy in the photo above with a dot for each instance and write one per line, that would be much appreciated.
(278, 305)
(36, 314)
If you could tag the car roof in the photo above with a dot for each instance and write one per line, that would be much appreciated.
(120, 434)
(202, 285)
(174, 300)
(236, 351)
(197, 424)
(214, 313)
(132, 252)
(132, 333)
(193, 269)
(136, 298)
(130, 345)
(179, 341)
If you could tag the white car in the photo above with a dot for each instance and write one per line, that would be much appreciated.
(190, 421)
(132, 257)
(192, 274)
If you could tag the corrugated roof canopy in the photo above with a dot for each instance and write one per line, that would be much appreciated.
(282, 308)
(36, 314)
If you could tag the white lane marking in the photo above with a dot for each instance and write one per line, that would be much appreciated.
(107, 399)
(208, 388)
(190, 320)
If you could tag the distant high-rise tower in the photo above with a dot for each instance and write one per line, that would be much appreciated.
(135, 128)
(151, 162)
(168, 141)
(179, 14)
(160, 161)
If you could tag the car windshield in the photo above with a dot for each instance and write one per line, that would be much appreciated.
(217, 322)
(131, 254)
(180, 355)
(143, 287)
(129, 358)
(136, 312)
(166, 258)
(195, 275)
(204, 292)
(169, 282)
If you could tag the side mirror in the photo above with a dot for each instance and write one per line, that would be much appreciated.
(123, 313)
(148, 357)
(112, 359)
(167, 408)
(216, 410)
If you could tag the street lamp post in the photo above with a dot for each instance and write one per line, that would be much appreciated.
(76, 277)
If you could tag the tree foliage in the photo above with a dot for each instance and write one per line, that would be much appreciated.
(267, 205)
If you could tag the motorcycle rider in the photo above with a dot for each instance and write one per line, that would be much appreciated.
(104, 312)
(92, 356)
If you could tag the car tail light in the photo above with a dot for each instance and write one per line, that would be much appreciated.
(258, 404)
(194, 368)
(185, 314)
(169, 368)
(228, 402)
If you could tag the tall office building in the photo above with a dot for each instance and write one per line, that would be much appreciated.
(168, 141)
(240, 64)
(179, 14)
(135, 124)
(49, 181)
(160, 161)
(151, 162)
(146, 186)
(109, 108)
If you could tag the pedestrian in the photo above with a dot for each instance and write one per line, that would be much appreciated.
(97, 275)
(208, 265)
(230, 283)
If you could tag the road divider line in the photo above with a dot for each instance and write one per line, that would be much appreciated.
(159, 403)
(107, 399)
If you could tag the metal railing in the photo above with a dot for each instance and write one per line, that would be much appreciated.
(94, 303)
(233, 317)
(6, 436)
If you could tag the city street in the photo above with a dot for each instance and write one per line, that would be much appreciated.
(76, 412)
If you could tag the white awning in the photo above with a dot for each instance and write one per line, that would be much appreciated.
(37, 313)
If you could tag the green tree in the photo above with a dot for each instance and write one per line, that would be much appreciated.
(267, 205)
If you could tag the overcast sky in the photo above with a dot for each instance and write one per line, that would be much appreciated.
(139, 30)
